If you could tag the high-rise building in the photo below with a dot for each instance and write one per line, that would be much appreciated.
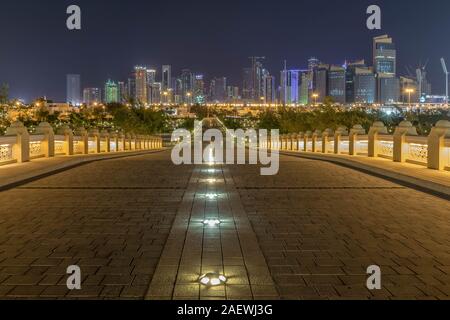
(336, 84)
(131, 88)
(218, 90)
(305, 79)
(232, 94)
(350, 73)
(313, 63)
(123, 91)
(247, 84)
(365, 85)
(151, 76)
(91, 96)
(384, 55)
(73, 93)
(141, 84)
(289, 85)
(269, 89)
(257, 74)
(111, 92)
(199, 89)
(388, 89)
(187, 85)
(166, 81)
(320, 83)
(154, 94)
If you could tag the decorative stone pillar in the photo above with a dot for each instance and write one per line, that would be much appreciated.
(306, 138)
(21, 149)
(105, 135)
(376, 129)
(353, 139)
(315, 136)
(300, 138)
(405, 128)
(341, 131)
(96, 135)
(123, 142)
(68, 139)
(436, 145)
(294, 142)
(48, 143)
(84, 141)
(326, 139)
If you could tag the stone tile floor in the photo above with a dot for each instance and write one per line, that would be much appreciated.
(308, 233)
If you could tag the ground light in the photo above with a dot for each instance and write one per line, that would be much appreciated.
(212, 196)
(212, 279)
(211, 222)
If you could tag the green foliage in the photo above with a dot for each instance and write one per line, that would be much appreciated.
(4, 93)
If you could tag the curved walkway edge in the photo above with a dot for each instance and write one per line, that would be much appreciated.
(14, 175)
(414, 176)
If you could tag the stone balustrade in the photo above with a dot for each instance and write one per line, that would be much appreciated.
(18, 145)
(405, 145)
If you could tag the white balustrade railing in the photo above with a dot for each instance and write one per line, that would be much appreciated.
(402, 146)
(19, 146)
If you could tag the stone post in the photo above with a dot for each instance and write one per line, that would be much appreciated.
(48, 143)
(353, 139)
(436, 145)
(68, 140)
(376, 129)
(315, 136)
(341, 131)
(105, 135)
(405, 128)
(306, 140)
(21, 149)
(294, 142)
(326, 139)
(96, 135)
(82, 132)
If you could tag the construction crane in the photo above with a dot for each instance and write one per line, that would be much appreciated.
(444, 68)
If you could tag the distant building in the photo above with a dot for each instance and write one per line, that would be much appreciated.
(320, 82)
(218, 90)
(365, 86)
(336, 84)
(247, 84)
(305, 79)
(131, 88)
(154, 93)
(232, 94)
(199, 89)
(141, 84)
(406, 84)
(269, 89)
(111, 92)
(166, 77)
(123, 91)
(73, 93)
(289, 85)
(350, 74)
(187, 85)
(384, 55)
(388, 90)
(91, 96)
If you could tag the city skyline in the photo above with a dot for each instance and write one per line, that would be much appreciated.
(217, 45)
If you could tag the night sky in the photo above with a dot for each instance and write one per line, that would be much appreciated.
(209, 36)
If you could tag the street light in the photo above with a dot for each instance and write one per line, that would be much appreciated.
(315, 96)
(409, 91)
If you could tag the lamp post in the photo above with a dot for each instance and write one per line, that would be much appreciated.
(409, 91)
(315, 96)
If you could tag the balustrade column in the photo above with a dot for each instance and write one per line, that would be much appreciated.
(48, 143)
(436, 145)
(376, 129)
(405, 128)
(21, 148)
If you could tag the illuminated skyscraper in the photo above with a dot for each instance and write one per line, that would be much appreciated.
(187, 79)
(111, 92)
(365, 85)
(269, 89)
(123, 94)
(141, 84)
(151, 76)
(218, 90)
(166, 77)
(336, 84)
(289, 85)
(199, 89)
(91, 96)
(320, 83)
(73, 85)
(350, 73)
(247, 86)
(384, 55)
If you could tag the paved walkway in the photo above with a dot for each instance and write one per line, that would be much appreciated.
(134, 227)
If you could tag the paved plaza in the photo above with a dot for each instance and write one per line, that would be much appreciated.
(135, 227)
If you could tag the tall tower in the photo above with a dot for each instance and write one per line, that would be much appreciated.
(141, 84)
(111, 92)
(166, 77)
(73, 89)
(256, 78)
(384, 56)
